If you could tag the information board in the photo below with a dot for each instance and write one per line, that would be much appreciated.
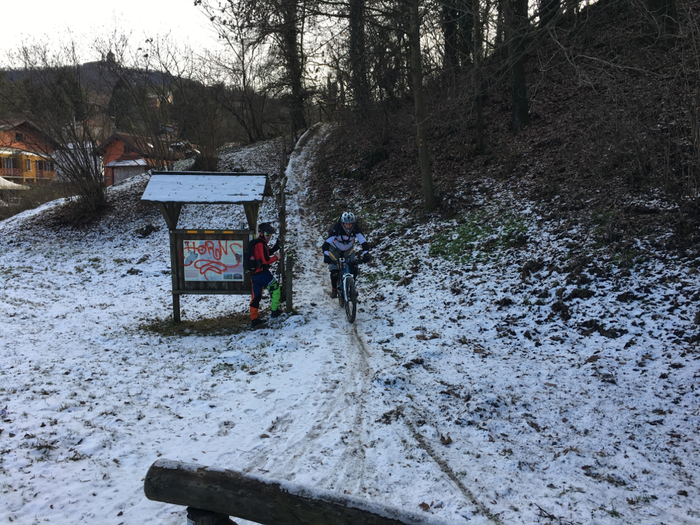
(213, 260)
(210, 261)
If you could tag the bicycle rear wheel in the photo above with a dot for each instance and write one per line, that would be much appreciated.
(351, 300)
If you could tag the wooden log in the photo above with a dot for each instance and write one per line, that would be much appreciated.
(267, 502)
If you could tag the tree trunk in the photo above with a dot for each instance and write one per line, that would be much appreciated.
(292, 54)
(417, 81)
(357, 56)
(458, 27)
(450, 37)
(478, 82)
(517, 23)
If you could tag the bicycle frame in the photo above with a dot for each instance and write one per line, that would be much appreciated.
(347, 295)
(344, 275)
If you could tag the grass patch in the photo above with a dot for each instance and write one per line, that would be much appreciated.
(479, 237)
(23, 200)
(223, 325)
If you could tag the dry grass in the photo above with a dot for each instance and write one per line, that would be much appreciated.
(19, 201)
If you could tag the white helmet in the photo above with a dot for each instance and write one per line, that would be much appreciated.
(347, 216)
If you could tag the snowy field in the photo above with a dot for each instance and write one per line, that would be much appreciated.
(518, 386)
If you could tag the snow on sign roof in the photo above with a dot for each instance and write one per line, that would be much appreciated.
(207, 188)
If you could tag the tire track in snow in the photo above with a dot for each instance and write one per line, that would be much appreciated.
(428, 449)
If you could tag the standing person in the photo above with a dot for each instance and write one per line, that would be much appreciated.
(260, 275)
(342, 237)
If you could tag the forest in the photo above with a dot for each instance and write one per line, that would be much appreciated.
(585, 103)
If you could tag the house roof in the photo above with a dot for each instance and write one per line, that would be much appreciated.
(126, 163)
(145, 146)
(12, 124)
(16, 151)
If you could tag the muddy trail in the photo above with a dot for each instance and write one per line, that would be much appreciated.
(352, 409)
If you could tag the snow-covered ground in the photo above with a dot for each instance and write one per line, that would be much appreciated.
(508, 388)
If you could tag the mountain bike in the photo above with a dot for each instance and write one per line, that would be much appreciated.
(347, 292)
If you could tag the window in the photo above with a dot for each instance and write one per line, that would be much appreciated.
(8, 163)
(19, 137)
(29, 164)
(43, 165)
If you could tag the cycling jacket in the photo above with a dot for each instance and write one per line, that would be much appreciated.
(343, 240)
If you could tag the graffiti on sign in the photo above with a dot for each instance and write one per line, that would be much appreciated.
(213, 260)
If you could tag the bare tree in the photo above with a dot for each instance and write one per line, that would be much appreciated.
(419, 102)
(282, 22)
(249, 73)
(55, 97)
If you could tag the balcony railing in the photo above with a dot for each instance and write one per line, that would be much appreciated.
(17, 175)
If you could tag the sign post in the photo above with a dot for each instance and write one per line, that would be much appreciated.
(207, 261)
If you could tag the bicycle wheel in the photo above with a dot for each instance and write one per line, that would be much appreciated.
(351, 300)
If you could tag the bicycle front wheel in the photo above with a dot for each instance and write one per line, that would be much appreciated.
(350, 300)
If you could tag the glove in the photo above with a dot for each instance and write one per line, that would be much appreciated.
(366, 257)
(327, 259)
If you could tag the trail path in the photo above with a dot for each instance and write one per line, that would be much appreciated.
(351, 412)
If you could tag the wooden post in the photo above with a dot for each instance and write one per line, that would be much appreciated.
(288, 283)
(173, 271)
(176, 307)
(282, 217)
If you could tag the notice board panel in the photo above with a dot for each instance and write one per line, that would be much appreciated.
(209, 261)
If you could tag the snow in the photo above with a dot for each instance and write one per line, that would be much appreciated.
(9, 185)
(205, 189)
(125, 163)
(466, 392)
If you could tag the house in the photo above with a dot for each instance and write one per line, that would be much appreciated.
(125, 155)
(25, 153)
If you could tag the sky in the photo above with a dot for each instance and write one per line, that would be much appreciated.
(461, 394)
(50, 21)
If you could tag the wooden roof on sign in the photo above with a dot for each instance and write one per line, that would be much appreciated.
(197, 187)
(171, 189)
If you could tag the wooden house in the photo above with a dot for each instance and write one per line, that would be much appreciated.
(125, 155)
(25, 153)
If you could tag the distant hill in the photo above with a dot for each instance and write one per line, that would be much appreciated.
(100, 76)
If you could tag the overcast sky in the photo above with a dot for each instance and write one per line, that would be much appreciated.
(44, 20)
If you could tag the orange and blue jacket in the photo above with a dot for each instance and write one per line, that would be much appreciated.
(261, 253)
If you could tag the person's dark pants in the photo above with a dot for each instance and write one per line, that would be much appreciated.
(261, 281)
(336, 273)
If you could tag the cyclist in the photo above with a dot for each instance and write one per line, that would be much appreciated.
(261, 277)
(343, 236)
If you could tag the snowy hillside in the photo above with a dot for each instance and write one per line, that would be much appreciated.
(484, 380)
